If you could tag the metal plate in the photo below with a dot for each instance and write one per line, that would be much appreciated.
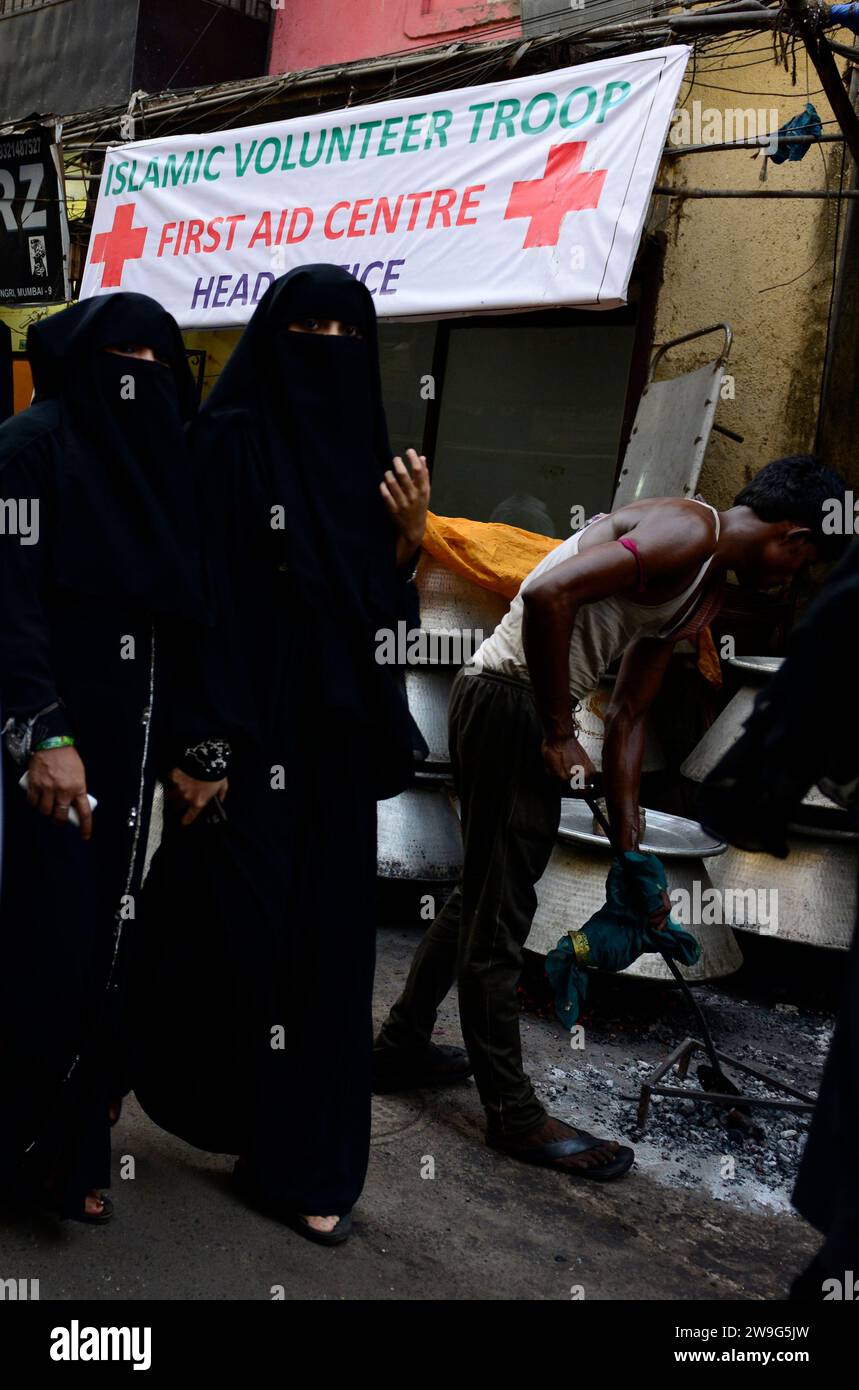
(671, 837)
(573, 888)
(669, 438)
(756, 665)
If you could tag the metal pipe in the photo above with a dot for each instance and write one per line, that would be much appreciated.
(843, 50)
(758, 142)
(721, 23)
(755, 193)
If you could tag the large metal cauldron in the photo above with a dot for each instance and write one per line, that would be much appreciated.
(573, 888)
(419, 836)
(809, 897)
(724, 733)
(428, 694)
(452, 604)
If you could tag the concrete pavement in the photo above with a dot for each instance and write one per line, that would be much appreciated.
(483, 1227)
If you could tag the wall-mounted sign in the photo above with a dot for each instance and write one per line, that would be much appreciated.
(34, 238)
(511, 195)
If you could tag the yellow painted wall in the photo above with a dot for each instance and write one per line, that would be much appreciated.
(765, 266)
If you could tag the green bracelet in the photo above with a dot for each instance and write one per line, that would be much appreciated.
(47, 744)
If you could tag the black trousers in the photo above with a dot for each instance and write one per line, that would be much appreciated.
(510, 813)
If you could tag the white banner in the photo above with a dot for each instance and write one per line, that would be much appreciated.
(510, 195)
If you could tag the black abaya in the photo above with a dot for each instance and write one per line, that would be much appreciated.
(750, 799)
(91, 626)
(258, 1039)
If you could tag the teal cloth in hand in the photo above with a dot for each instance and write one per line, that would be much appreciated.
(619, 932)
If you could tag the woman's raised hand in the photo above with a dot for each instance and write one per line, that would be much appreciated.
(406, 493)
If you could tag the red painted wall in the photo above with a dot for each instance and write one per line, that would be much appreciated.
(313, 33)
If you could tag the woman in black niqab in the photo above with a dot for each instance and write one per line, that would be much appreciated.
(277, 903)
(125, 491)
(95, 611)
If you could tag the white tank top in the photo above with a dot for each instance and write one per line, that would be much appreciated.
(601, 632)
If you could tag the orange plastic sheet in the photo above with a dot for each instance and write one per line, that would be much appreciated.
(499, 557)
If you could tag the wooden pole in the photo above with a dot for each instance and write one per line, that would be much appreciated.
(830, 78)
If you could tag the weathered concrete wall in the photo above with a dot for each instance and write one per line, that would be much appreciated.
(765, 266)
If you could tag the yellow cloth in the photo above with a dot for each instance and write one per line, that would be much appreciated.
(488, 553)
(499, 557)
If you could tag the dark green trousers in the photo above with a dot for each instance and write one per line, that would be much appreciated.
(510, 812)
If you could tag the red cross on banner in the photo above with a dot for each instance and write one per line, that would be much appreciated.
(124, 242)
(562, 189)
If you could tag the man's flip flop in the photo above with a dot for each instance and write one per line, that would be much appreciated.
(546, 1156)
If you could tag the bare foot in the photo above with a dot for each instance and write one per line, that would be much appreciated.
(94, 1204)
(553, 1130)
(321, 1223)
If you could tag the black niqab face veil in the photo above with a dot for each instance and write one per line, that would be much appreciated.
(314, 401)
(127, 518)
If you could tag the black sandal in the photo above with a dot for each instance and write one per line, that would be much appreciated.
(546, 1156)
(86, 1218)
(96, 1218)
(337, 1236)
(293, 1219)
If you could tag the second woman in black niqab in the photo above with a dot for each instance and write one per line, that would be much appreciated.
(257, 1040)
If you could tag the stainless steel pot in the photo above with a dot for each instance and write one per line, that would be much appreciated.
(419, 836)
(811, 894)
(573, 889)
(724, 733)
(428, 694)
(452, 604)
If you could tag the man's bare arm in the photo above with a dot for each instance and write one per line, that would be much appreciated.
(641, 674)
(672, 541)
(551, 603)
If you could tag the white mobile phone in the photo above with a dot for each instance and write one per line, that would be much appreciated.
(74, 818)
